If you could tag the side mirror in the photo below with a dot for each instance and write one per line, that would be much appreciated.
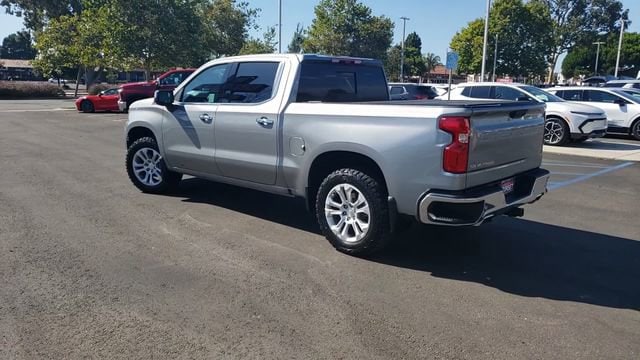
(163, 97)
(621, 102)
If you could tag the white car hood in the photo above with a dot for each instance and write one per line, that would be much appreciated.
(569, 106)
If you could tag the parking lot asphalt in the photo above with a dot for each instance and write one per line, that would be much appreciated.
(91, 267)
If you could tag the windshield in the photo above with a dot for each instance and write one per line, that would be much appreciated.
(626, 95)
(541, 94)
(634, 93)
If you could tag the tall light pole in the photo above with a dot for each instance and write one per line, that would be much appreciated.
(404, 25)
(495, 60)
(619, 47)
(595, 70)
(486, 35)
(280, 26)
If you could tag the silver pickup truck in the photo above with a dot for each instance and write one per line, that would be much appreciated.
(322, 128)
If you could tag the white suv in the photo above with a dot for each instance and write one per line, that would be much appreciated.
(565, 120)
(622, 109)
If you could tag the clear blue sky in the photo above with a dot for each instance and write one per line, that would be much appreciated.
(435, 21)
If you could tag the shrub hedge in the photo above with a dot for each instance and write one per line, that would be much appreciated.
(29, 89)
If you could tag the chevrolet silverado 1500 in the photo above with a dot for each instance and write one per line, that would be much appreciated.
(322, 128)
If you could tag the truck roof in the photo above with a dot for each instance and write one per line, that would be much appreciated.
(304, 57)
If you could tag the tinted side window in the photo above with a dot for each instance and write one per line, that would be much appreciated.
(572, 95)
(507, 93)
(481, 92)
(397, 90)
(599, 96)
(174, 79)
(426, 91)
(207, 85)
(610, 85)
(251, 83)
(466, 92)
(636, 86)
(331, 82)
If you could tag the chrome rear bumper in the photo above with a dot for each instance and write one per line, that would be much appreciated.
(473, 207)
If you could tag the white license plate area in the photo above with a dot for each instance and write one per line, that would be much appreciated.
(508, 185)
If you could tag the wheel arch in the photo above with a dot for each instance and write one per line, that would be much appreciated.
(326, 162)
(136, 132)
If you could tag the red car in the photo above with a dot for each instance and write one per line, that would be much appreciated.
(106, 100)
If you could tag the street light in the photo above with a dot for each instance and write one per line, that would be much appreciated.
(280, 26)
(619, 47)
(595, 71)
(484, 45)
(404, 25)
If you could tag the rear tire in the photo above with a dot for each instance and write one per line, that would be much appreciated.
(556, 132)
(86, 106)
(147, 170)
(634, 131)
(353, 212)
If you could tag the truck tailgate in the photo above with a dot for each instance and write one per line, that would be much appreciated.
(505, 140)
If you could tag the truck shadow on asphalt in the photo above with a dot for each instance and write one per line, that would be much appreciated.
(517, 256)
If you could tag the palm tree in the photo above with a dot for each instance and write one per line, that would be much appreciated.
(431, 60)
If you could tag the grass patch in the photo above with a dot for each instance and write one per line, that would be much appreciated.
(29, 90)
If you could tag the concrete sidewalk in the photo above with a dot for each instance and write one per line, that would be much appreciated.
(609, 148)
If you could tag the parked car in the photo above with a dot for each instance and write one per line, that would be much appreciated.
(322, 128)
(630, 83)
(57, 81)
(411, 91)
(106, 100)
(622, 109)
(565, 121)
(131, 92)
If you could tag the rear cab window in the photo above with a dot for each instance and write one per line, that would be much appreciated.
(396, 90)
(481, 92)
(328, 81)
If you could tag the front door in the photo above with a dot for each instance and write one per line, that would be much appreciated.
(189, 125)
(246, 125)
(617, 114)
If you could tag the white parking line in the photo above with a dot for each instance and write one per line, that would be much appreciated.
(556, 185)
(576, 165)
(35, 110)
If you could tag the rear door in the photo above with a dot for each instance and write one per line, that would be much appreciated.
(506, 139)
(247, 120)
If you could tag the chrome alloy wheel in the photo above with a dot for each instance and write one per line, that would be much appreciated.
(553, 132)
(347, 213)
(146, 166)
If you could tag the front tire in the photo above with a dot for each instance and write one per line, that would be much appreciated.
(635, 130)
(87, 107)
(147, 170)
(556, 132)
(353, 212)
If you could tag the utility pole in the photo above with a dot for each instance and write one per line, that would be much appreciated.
(404, 25)
(280, 26)
(619, 47)
(595, 70)
(495, 60)
(484, 45)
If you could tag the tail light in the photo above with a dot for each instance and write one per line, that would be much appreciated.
(456, 155)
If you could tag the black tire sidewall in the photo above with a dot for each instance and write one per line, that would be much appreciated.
(167, 176)
(86, 106)
(635, 130)
(378, 217)
(565, 129)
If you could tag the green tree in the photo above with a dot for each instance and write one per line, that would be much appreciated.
(468, 44)
(266, 45)
(17, 46)
(347, 27)
(580, 60)
(392, 63)
(295, 46)
(413, 61)
(579, 21)
(431, 60)
(523, 32)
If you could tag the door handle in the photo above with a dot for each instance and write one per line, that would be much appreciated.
(264, 121)
(206, 118)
